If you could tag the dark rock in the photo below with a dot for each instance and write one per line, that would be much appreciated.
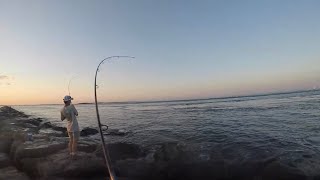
(136, 169)
(87, 145)
(35, 122)
(14, 146)
(277, 170)
(62, 130)
(10, 112)
(37, 149)
(11, 173)
(46, 125)
(4, 160)
(115, 132)
(120, 151)
(173, 151)
(88, 131)
(5, 143)
(62, 165)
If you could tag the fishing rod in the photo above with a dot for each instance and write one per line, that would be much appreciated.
(70, 83)
(104, 148)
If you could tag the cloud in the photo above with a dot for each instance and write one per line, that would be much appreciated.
(5, 80)
(3, 77)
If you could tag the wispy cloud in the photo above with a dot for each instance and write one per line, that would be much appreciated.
(6, 80)
(2, 77)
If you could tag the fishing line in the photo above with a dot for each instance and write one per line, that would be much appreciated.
(73, 77)
(104, 148)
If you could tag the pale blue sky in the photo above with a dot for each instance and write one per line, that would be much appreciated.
(183, 49)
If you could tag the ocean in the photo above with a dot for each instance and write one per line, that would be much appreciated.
(285, 126)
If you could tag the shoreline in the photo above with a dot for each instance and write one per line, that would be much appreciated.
(182, 100)
(46, 157)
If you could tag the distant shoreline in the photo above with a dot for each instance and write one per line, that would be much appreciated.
(181, 100)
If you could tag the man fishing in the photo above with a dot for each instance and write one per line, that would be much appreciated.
(69, 112)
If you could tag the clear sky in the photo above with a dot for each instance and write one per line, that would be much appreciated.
(184, 49)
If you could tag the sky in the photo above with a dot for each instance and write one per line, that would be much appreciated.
(183, 49)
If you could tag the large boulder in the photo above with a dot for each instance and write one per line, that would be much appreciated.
(4, 160)
(11, 173)
(88, 131)
(8, 111)
(87, 145)
(35, 122)
(121, 151)
(39, 148)
(5, 143)
(61, 164)
(53, 130)
(280, 171)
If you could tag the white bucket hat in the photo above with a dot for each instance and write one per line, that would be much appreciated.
(67, 98)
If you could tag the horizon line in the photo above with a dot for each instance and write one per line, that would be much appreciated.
(179, 100)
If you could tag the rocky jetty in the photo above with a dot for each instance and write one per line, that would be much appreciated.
(45, 156)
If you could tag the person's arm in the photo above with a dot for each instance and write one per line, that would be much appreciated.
(62, 116)
(75, 110)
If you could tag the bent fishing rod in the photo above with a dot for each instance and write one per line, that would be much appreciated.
(104, 148)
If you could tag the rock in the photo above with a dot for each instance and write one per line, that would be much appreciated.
(136, 169)
(52, 133)
(88, 131)
(4, 160)
(87, 146)
(115, 132)
(5, 143)
(14, 146)
(173, 152)
(46, 125)
(277, 170)
(35, 122)
(121, 151)
(10, 112)
(54, 130)
(37, 149)
(85, 165)
(62, 165)
(11, 173)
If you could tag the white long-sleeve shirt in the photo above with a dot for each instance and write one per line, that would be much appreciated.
(70, 113)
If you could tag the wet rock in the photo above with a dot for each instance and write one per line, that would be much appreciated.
(11, 173)
(10, 112)
(35, 122)
(4, 160)
(34, 149)
(88, 131)
(172, 151)
(50, 129)
(46, 125)
(120, 151)
(5, 143)
(87, 146)
(277, 170)
(136, 169)
(52, 133)
(115, 132)
(62, 165)
(14, 146)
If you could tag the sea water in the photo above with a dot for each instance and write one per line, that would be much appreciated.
(247, 128)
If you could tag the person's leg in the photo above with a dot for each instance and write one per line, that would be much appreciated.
(76, 136)
(71, 139)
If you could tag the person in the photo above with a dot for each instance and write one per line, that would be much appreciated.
(70, 113)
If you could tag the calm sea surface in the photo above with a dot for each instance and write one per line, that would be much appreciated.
(284, 125)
